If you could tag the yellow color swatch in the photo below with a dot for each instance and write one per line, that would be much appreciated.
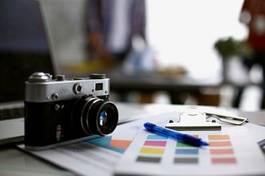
(148, 150)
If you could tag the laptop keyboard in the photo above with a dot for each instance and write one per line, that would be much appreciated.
(12, 113)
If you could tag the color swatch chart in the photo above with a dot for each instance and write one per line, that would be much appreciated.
(107, 142)
(220, 150)
(227, 153)
(186, 154)
(153, 149)
(154, 146)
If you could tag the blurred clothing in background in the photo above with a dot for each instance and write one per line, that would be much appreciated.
(251, 51)
(111, 25)
(253, 16)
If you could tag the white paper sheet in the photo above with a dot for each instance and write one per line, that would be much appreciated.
(237, 154)
(101, 156)
(94, 157)
(87, 158)
(83, 159)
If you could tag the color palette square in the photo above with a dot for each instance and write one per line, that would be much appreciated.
(187, 151)
(231, 160)
(148, 159)
(149, 150)
(123, 144)
(220, 144)
(218, 137)
(156, 137)
(228, 151)
(155, 143)
(186, 160)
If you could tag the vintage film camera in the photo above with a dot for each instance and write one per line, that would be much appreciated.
(59, 110)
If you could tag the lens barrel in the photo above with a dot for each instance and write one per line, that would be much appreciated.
(95, 116)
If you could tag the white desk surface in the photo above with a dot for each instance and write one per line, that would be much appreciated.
(15, 162)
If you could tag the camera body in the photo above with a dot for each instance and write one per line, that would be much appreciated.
(59, 110)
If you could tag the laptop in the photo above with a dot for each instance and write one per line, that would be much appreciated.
(36, 40)
(23, 50)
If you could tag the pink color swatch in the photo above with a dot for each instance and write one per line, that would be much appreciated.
(224, 160)
(155, 143)
(221, 151)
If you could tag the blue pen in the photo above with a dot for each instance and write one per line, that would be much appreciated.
(185, 138)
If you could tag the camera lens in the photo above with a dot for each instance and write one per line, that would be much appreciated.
(106, 117)
(95, 115)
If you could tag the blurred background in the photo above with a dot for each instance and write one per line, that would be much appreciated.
(184, 33)
(184, 51)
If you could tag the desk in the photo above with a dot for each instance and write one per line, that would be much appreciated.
(151, 82)
(15, 162)
(147, 83)
(156, 82)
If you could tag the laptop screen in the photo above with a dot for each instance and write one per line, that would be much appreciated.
(23, 47)
(15, 70)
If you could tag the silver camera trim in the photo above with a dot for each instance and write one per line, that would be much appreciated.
(54, 90)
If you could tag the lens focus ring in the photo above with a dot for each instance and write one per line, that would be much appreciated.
(92, 115)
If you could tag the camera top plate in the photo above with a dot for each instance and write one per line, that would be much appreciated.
(40, 87)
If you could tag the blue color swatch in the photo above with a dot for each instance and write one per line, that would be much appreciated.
(154, 136)
(187, 151)
(105, 142)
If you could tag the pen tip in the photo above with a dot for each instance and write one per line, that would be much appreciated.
(204, 143)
